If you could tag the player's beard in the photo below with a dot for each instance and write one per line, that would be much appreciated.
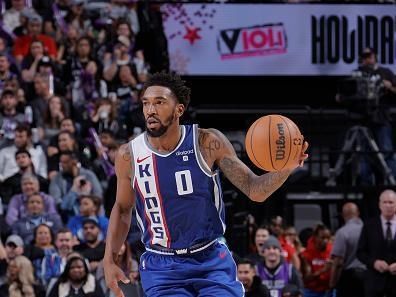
(162, 128)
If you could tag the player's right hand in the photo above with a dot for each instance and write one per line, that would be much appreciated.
(114, 274)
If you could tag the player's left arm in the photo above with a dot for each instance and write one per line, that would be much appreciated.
(217, 148)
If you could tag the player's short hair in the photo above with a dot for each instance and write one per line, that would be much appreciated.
(171, 81)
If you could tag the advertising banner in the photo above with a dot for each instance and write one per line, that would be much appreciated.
(278, 39)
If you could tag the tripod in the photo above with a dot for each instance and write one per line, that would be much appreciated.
(356, 139)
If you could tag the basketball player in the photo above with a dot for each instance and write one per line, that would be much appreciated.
(170, 174)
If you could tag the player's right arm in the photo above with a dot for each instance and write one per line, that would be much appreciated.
(120, 219)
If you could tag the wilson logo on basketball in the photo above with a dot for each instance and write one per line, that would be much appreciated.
(273, 143)
(280, 143)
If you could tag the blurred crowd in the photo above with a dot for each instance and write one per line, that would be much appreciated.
(70, 76)
(357, 260)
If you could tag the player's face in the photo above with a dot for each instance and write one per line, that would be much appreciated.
(160, 109)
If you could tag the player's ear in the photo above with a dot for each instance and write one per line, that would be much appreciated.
(180, 110)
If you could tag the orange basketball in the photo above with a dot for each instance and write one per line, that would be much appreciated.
(274, 142)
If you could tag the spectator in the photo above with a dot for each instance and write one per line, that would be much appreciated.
(347, 274)
(74, 69)
(67, 124)
(34, 217)
(56, 111)
(76, 277)
(21, 280)
(34, 29)
(316, 264)
(30, 62)
(293, 239)
(24, 15)
(73, 181)
(17, 206)
(78, 18)
(67, 142)
(22, 140)
(47, 67)
(13, 247)
(11, 17)
(12, 185)
(89, 208)
(93, 87)
(126, 17)
(10, 118)
(288, 251)
(120, 56)
(92, 247)
(55, 263)
(251, 282)
(377, 248)
(260, 236)
(5, 70)
(39, 103)
(125, 87)
(41, 246)
(274, 271)
(104, 116)
(68, 45)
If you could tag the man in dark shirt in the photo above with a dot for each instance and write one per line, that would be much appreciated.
(92, 249)
(251, 282)
(12, 185)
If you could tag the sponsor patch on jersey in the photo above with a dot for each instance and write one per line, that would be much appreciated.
(183, 153)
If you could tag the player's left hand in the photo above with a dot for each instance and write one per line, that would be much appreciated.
(303, 155)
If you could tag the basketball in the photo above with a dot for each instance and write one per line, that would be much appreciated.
(274, 143)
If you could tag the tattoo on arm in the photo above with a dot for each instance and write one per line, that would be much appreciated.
(271, 181)
(236, 174)
(126, 155)
(259, 187)
(208, 147)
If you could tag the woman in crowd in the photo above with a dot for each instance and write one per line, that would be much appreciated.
(57, 110)
(76, 281)
(20, 280)
(42, 245)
